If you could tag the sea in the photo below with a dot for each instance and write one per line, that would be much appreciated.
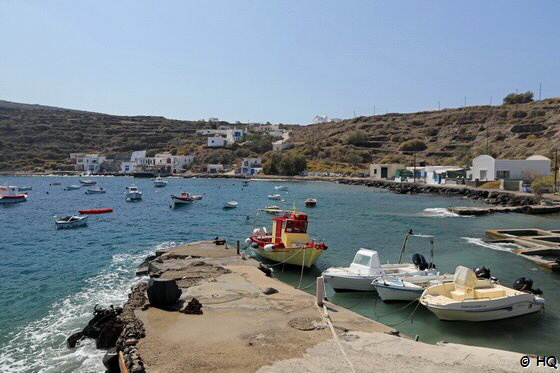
(50, 280)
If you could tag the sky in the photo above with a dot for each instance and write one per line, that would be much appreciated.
(281, 61)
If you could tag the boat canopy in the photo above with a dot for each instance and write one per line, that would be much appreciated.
(366, 262)
(293, 222)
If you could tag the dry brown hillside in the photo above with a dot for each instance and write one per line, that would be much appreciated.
(451, 136)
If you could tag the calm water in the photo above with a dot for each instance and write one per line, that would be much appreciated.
(51, 279)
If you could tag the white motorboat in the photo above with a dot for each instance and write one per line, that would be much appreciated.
(159, 182)
(367, 267)
(10, 194)
(231, 204)
(274, 196)
(272, 209)
(281, 187)
(407, 288)
(95, 191)
(132, 193)
(87, 182)
(182, 199)
(72, 187)
(72, 221)
(468, 298)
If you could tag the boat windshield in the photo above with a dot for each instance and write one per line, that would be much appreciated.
(295, 226)
(364, 260)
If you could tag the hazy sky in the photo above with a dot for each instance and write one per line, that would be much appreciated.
(275, 60)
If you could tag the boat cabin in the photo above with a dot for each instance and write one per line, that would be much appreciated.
(290, 229)
(366, 262)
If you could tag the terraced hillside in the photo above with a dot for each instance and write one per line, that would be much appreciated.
(450, 136)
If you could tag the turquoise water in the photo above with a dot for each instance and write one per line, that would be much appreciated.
(51, 279)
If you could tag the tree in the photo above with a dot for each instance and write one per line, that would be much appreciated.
(521, 98)
(271, 165)
(413, 146)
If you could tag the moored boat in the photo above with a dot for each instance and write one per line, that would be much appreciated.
(182, 199)
(159, 182)
(288, 242)
(281, 187)
(87, 182)
(72, 187)
(10, 194)
(231, 204)
(96, 211)
(196, 197)
(311, 202)
(24, 188)
(72, 221)
(272, 209)
(132, 193)
(367, 267)
(95, 191)
(406, 288)
(274, 196)
(468, 298)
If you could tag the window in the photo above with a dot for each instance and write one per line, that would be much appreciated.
(502, 174)
(375, 171)
(363, 260)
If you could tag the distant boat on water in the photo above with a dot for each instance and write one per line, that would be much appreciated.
(95, 191)
(72, 187)
(72, 221)
(10, 194)
(159, 182)
(86, 182)
(133, 193)
(231, 204)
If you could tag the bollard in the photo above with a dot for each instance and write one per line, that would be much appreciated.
(320, 291)
(237, 247)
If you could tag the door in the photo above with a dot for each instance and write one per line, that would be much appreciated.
(384, 172)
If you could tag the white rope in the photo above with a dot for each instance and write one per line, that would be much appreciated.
(302, 267)
(327, 318)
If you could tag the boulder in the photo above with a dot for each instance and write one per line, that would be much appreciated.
(109, 334)
(111, 361)
(74, 339)
(163, 292)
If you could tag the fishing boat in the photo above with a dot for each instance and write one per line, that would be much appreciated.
(469, 298)
(95, 191)
(231, 204)
(24, 188)
(96, 211)
(367, 267)
(132, 193)
(407, 288)
(310, 202)
(288, 241)
(196, 197)
(72, 187)
(87, 182)
(274, 196)
(272, 209)
(281, 187)
(10, 194)
(72, 221)
(182, 199)
(159, 182)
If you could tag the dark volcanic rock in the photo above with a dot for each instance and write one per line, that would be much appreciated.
(194, 307)
(111, 361)
(109, 334)
(74, 339)
(163, 292)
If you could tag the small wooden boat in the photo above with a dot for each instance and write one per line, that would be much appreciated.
(72, 187)
(96, 211)
(272, 209)
(72, 221)
(310, 202)
(281, 187)
(132, 193)
(95, 191)
(159, 182)
(10, 194)
(182, 199)
(24, 188)
(87, 182)
(274, 196)
(468, 298)
(231, 204)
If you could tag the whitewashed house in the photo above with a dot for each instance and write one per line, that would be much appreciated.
(172, 163)
(486, 168)
(216, 142)
(136, 163)
(90, 163)
(234, 135)
(251, 166)
(214, 168)
(384, 171)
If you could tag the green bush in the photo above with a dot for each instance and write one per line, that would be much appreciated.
(544, 183)
(288, 164)
(356, 138)
(521, 98)
(413, 146)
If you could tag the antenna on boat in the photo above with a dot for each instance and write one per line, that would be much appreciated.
(410, 233)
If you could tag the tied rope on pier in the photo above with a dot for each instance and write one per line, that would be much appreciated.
(410, 317)
(328, 320)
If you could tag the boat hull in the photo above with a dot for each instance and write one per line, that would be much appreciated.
(13, 199)
(307, 256)
(487, 313)
(181, 201)
(350, 283)
(396, 293)
(96, 211)
(134, 196)
(71, 225)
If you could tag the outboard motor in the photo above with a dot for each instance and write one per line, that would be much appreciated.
(482, 272)
(526, 285)
(419, 261)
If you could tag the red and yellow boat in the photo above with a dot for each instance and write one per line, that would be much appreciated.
(288, 242)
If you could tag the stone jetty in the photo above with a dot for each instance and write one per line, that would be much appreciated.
(232, 317)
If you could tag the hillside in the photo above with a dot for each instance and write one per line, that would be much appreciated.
(451, 136)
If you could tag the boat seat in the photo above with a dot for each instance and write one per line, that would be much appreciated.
(489, 293)
(461, 294)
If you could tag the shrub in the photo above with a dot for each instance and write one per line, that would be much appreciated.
(356, 138)
(519, 114)
(544, 183)
(412, 145)
(431, 131)
(396, 138)
(532, 137)
(521, 98)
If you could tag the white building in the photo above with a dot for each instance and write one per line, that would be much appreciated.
(173, 163)
(214, 168)
(234, 135)
(216, 142)
(90, 163)
(231, 135)
(136, 163)
(384, 171)
(486, 168)
(251, 166)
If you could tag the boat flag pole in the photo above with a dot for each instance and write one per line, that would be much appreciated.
(404, 245)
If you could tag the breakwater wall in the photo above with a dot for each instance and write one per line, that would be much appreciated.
(492, 197)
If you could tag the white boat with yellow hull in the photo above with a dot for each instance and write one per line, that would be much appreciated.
(470, 299)
(304, 256)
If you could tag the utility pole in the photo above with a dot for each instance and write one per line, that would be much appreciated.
(373, 110)
(438, 106)
(540, 88)
(490, 100)
(414, 168)
(465, 105)
(555, 170)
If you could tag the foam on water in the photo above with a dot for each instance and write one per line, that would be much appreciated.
(494, 246)
(440, 212)
(40, 346)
